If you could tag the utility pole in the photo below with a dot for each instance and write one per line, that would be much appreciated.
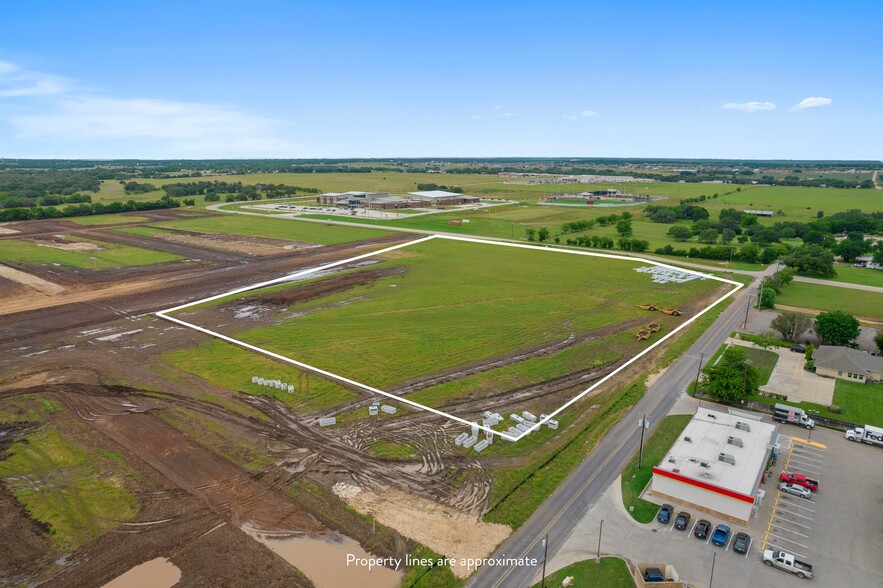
(747, 308)
(698, 371)
(760, 297)
(643, 423)
(545, 553)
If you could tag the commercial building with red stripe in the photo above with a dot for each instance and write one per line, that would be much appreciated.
(717, 465)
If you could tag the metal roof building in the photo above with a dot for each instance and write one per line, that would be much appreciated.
(717, 464)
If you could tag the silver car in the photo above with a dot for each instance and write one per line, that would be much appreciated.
(795, 490)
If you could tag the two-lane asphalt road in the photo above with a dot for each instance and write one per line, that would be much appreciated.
(558, 515)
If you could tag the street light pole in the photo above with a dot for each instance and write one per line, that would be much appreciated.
(600, 530)
(711, 579)
(545, 553)
(698, 371)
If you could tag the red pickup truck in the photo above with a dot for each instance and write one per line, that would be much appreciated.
(800, 480)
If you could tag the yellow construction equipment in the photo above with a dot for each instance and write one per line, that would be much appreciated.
(643, 334)
(672, 311)
(654, 326)
(647, 306)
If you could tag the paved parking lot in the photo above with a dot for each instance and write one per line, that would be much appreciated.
(839, 529)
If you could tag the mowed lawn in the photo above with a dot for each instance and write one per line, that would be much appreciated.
(856, 275)
(861, 403)
(457, 303)
(860, 303)
(110, 255)
(276, 228)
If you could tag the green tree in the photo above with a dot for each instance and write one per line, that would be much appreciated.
(543, 234)
(879, 341)
(665, 215)
(708, 236)
(732, 378)
(531, 234)
(624, 228)
(837, 328)
(849, 249)
(767, 298)
(679, 233)
(811, 259)
(791, 325)
(749, 253)
(727, 235)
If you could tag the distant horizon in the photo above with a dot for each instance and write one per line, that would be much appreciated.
(460, 158)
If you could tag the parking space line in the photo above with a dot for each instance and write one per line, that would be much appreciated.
(750, 543)
(786, 519)
(696, 522)
(808, 449)
(799, 456)
(779, 527)
(789, 541)
(795, 505)
(796, 514)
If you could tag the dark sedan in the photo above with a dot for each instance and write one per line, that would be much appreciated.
(682, 521)
(702, 529)
(741, 542)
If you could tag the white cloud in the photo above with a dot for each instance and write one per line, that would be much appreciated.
(57, 113)
(812, 102)
(497, 107)
(15, 81)
(582, 114)
(476, 116)
(508, 114)
(749, 106)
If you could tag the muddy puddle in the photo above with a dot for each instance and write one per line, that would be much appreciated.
(323, 559)
(156, 573)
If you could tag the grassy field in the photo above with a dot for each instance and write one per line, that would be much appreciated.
(860, 403)
(635, 479)
(612, 572)
(78, 494)
(856, 275)
(862, 304)
(454, 303)
(764, 361)
(108, 219)
(273, 228)
(111, 255)
(232, 367)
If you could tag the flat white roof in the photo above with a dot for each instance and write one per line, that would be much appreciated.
(435, 194)
(708, 433)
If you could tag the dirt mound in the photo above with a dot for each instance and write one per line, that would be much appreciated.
(313, 290)
(235, 243)
(446, 530)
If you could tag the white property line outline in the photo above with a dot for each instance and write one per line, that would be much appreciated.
(289, 277)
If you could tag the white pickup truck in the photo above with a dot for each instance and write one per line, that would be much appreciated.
(787, 562)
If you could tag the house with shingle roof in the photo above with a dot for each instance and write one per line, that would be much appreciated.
(848, 364)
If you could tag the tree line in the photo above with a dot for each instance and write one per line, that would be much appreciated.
(23, 214)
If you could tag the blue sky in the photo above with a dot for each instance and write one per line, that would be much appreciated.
(412, 79)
